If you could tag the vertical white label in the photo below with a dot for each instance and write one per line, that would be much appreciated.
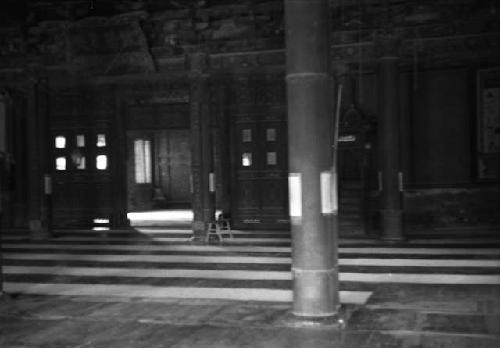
(295, 194)
(47, 184)
(326, 192)
(211, 182)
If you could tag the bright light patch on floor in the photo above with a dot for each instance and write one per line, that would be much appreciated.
(167, 216)
(161, 215)
(100, 228)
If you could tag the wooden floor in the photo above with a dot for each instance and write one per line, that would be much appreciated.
(150, 287)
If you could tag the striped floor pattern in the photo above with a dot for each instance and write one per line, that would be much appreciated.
(156, 264)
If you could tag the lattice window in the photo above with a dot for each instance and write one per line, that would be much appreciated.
(142, 156)
(61, 163)
(80, 140)
(60, 142)
(101, 140)
(246, 159)
(101, 162)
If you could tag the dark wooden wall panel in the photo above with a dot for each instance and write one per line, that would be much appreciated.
(258, 127)
(81, 195)
(441, 129)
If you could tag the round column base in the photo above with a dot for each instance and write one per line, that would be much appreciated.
(331, 322)
(315, 293)
(38, 230)
(392, 226)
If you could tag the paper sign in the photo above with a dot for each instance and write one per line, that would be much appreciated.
(326, 192)
(295, 194)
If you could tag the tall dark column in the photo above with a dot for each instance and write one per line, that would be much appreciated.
(3, 175)
(203, 203)
(310, 132)
(36, 145)
(119, 218)
(19, 155)
(3, 179)
(390, 179)
(221, 148)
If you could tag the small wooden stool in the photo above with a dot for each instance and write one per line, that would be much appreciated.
(218, 228)
(225, 227)
(213, 230)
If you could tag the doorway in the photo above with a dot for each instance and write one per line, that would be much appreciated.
(158, 170)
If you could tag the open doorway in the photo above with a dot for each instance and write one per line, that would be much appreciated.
(158, 177)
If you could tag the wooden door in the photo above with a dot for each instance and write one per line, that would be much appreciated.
(350, 158)
(260, 181)
(172, 168)
(140, 170)
(158, 169)
(82, 181)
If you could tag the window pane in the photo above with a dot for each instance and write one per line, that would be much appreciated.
(271, 158)
(81, 165)
(142, 159)
(101, 140)
(60, 142)
(246, 135)
(271, 134)
(246, 159)
(139, 161)
(80, 140)
(61, 163)
(101, 162)
(147, 161)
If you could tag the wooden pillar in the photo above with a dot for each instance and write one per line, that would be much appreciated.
(3, 175)
(221, 144)
(3, 179)
(37, 160)
(310, 133)
(119, 188)
(390, 177)
(201, 145)
(18, 112)
(5, 148)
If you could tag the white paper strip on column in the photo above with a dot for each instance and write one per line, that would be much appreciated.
(211, 182)
(47, 181)
(326, 192)
(147, 162)
(295, 194)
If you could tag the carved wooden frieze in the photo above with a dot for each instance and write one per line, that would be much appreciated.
(242, 36)
(157, 116)
(110, 45)
(12, 41)
(79, 105)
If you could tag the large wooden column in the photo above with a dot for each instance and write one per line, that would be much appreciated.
(203, 203)
(119, 219)
(37, 159)
(310, 133)
(390, 177)
(221, 137)
(19, 154)
(3, 175)
(3, 191)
